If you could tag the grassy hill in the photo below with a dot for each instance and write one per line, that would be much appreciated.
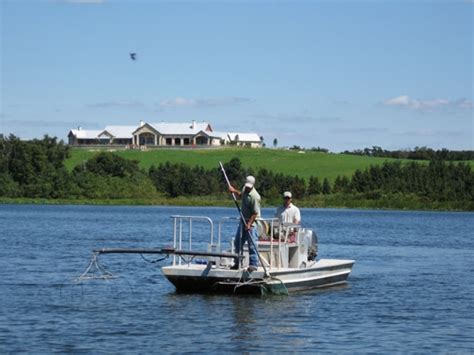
(288, 162)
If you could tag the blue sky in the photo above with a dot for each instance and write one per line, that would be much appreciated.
(341, 75)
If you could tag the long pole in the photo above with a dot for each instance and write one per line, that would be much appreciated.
(233, 195)
(243, 219)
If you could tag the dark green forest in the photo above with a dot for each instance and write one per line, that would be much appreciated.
(418, 153)
(35, 170)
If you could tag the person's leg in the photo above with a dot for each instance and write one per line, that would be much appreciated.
(253, 256)
(238, 245)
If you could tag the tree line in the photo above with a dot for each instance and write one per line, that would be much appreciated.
(435, 181)
(418, 153)
(35, 169)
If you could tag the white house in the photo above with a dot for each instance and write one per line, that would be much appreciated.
(81, 136)
(173, 134)
(121, 135)
(162, 134)
(245, 139)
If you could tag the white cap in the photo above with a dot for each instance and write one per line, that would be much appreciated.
(287, 194)
(249, 181)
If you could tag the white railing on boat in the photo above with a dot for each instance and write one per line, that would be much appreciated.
(271, 229)
(179, 243)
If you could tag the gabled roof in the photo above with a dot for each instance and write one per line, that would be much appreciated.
(221, 135)
(121, 131)
(145, 125)
(244, 137)
(85, 133)
(181, 128)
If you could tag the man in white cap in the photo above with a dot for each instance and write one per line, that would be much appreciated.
(251, 211)
(288, 212)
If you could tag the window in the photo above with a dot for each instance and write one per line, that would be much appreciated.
(147, 139)
(201, 140)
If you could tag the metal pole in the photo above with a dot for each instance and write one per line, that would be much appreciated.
(243, 220)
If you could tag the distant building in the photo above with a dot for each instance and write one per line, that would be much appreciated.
(162, 134)
(80, 136)
(245, 139)
(173, 134)
(121, 135)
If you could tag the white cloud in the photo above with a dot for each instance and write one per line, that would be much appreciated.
(428, 132)
(284, 117)
(109, 104)
(398, 101)
(211, 102)
(465, 103)
(178, 102)
(427, 105)
(49, 124)
(360, 130)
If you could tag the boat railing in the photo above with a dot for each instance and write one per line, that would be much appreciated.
(289, 229)
(276, 240)
(273, 239)
(279, 237)
(178, 231)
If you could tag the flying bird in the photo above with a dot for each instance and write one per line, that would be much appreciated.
(133, 56)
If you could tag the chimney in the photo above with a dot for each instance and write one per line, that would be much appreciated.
(141, 123)
(79, 128)
(193, 126)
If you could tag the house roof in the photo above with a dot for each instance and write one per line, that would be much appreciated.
(244, 137)
(121, 131)
(180, 128)
(221, 135)
(85, 133)
(166, 128)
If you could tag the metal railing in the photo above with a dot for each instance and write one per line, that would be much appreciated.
(278, 236)
(178, 231)
(280, 231)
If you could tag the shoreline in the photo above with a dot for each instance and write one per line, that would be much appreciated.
(331, 201)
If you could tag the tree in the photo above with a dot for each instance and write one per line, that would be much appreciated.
(359, 181)
(326, 187)
(298, 187)
(314, 186)
(34, 168)
(275, 142)
(265, 183)
(341, 184)
(234, 171)
(110, 164)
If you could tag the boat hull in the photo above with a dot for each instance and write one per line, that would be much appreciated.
(193, 278)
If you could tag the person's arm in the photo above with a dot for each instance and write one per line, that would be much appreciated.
(297, 219)
(252, 218)
(233, 190)
(255, 212)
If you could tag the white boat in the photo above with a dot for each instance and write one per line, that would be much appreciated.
(287, 256)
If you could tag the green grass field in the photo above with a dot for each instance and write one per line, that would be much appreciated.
(288, 162)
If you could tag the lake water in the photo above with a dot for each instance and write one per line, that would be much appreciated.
(411, 289)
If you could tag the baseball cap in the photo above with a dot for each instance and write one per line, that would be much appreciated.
(287, 194)
(249, 181)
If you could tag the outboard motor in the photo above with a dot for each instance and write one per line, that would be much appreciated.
(313, 248)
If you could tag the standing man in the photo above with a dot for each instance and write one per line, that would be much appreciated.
(250, 211)
(288, 212)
